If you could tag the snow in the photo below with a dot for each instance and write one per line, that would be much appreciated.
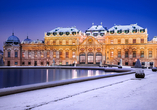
(114, 93)
(59, 29)
(97, 27)
(125, 27)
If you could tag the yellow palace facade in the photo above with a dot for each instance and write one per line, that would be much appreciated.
(97, 44)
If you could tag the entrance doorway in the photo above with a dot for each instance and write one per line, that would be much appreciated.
(90, 57)
(8, 63)
(82, 58)
(98, 57)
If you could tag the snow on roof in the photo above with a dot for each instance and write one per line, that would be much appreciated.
(97, 27)
(60, 29)
(125, 27)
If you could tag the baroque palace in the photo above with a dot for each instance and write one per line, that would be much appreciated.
(65, 46)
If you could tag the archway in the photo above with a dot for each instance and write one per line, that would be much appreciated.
(90, 57)
(82, 58)
(98, 57)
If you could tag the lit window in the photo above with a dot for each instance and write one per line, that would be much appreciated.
(142, 40)
(67, 42)
(126, 54)
(73, 42)
(134, 54)
(142, 54)
(150, 54)
(73, 55)
(29, 54)
(111, 53)
(23, 54)
(48, 53)
(42, 54)
(60, 54)
(54, 54)
(134, 41)
(60, 42)
(119, 41)
(111, 41)
(54, 42)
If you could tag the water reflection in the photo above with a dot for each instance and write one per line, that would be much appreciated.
(18, 77)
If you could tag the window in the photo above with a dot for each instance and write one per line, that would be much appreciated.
(23, 63)
(126, 63)
(42, 54)
(73, 55)
(119, 41)
(60, 54)
(134, 63)
(16, 63)
(41, 63)
(126, 41)
(16, 54)
(111, 54)
(67, 54)
(54, 54)
(8, 54)
(54, 42)
(29, 63)
(142, 54)
(142, 40)
(150, 54)
(48, 53)
(134, 41)
(111, 41)
(119, 54)
(67, 42)
(73, 42)
(134, 54)
(29, 54)
(126, 54)
(35, 54)
(23, 54)
(60, 42)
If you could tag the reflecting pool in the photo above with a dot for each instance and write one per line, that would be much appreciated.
(18, 77)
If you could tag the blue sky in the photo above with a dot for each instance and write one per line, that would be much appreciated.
(35, 17)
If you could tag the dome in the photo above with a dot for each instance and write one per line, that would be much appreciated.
(13, 39)
(27, 40)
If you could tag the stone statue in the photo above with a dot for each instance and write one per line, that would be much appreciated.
(100, 63)
(53, 64)
(138, 64)
(120, 62)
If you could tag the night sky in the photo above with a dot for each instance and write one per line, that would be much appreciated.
(35, 17)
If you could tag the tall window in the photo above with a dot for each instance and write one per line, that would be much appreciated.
(48, 54)
(150, 54)
(73, 55)
(111, 54)
(142, 40)
(60, 42)
(119, 41)
(134, 54)
(126, 41)
(29, 54)
(54, 42)
(60, 54)
(67, 54)
(23, 54)
(42, 54)
(111, 41)
(35, 54)
(54, 54)
(142, 54)
(134, 41)
(73, 42)
(8, 54)
(16, 54)
(119, 54)
(126, 54)
(67, 42)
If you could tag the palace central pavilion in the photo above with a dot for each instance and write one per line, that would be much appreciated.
(64, 46)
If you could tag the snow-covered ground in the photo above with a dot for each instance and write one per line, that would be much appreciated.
(114, 93)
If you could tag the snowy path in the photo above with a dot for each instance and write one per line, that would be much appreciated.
(114, 93)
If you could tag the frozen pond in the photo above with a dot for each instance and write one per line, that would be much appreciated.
(18, 77)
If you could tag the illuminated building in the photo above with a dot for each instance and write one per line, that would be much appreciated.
(98, 44)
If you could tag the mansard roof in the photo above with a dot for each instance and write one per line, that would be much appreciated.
(60, 29)
(126, 27)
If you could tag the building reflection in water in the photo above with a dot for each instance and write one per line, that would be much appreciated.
(74, 73)
(97, 72)
(47, 75)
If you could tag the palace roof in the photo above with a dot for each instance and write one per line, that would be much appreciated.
(60, 29)
(13, 39)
